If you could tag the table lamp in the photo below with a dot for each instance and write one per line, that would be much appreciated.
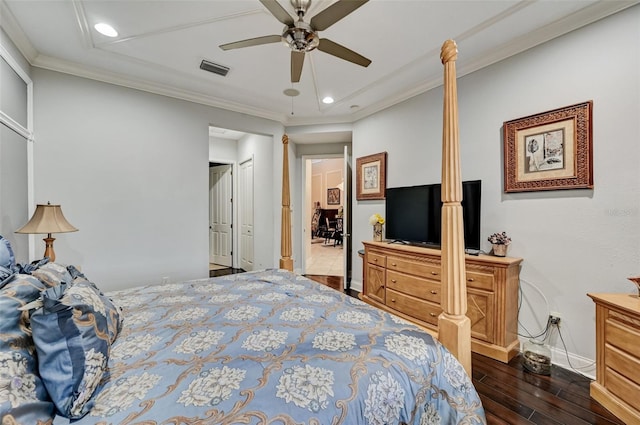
(47, 219)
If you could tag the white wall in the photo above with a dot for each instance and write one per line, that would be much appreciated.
(572, 242)
(130, 170)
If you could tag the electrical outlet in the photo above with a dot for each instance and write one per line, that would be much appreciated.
(554, 318)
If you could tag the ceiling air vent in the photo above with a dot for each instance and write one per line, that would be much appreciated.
(214, 67)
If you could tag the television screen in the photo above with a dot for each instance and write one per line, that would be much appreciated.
(413, 214)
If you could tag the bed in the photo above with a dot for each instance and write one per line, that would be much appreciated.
(265, 347)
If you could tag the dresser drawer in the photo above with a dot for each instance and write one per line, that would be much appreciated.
(621, 387)
(620, 335)
(622, 363)
(415, 307)
(480, 280)
(377, 259)
(412, 285)
(425, 270)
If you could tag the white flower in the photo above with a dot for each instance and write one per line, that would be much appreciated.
(385, 398)
(410, 347)
(306, 386)
(199, 341)
(297, 314)
(212, 387)
(123, 393)
(242, 313)
(265, 340)
(133, 346)
(189, 314)
(334, 341)
(354, 317)
(16, 385)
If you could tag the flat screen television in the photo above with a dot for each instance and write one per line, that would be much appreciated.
(413, 214)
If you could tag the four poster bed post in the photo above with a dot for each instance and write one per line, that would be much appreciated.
(454, 327)
(285, 228)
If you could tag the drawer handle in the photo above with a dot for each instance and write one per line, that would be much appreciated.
(393, 264)
(434, 292)
(393, 280)
(434, 273)
(432, 314)
(393, 300)
(470, 279)
(375, 259)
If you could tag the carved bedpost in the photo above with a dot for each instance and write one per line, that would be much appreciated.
(285, 232)
(454, 327)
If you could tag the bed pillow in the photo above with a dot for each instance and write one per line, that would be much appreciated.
(52, 274)
(73, 332)
(23, 397)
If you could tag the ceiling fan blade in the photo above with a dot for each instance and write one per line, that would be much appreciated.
(252, 42)
(278, 11)
(342, 52)
(334, 13)
(297, 60)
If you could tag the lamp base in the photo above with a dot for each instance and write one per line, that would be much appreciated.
(48, 251)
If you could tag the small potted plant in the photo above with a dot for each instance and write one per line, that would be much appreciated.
(500, 242)
(377, 221)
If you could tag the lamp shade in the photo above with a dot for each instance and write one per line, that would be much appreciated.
(47, 219)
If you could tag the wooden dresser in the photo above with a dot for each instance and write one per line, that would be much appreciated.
(617, 384)
(405, 280)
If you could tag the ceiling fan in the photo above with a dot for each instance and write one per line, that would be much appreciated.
(302, 37)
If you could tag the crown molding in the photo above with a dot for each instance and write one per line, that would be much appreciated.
(66, 67)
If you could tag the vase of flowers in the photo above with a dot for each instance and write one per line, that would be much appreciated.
(500, 243)
(377, 221)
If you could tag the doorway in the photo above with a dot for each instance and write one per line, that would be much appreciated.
(325, 201)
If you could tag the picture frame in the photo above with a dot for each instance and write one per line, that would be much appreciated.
(371, 176)
(333, 196)
(549, 151)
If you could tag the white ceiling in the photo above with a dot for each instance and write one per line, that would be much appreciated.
(162, 42)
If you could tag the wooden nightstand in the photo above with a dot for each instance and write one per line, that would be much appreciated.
(617, 384)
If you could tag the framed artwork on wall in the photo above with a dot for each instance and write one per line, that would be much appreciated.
(549, 151)
(371, 176)
(333, 196)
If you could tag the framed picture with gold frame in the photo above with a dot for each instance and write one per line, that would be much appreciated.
(549, 151)
(371, 176)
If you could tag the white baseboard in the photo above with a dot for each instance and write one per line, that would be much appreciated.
(582, 365)
(570, 361)
(356, 285)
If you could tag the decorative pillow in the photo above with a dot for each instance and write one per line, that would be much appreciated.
(73, 332)
(23, 397)
(52, 274)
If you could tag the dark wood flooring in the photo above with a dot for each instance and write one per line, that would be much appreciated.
(512, 396)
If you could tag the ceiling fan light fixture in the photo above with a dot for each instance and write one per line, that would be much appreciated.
(300, 37)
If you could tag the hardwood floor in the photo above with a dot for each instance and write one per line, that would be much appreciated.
(511, 395)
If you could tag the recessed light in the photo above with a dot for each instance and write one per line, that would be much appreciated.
(327, 100)
(106, 29)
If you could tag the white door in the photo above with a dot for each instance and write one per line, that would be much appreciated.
(346, 222)
(220, 215)
(245, 192)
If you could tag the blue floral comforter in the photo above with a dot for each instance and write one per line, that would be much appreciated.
(271, 347)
